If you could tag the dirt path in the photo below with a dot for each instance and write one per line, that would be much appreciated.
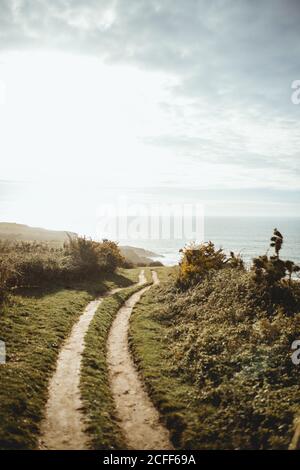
(139, 419)
(295, 443)
(63, 426)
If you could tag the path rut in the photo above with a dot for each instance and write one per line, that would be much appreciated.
(63, 427)
(138, 418)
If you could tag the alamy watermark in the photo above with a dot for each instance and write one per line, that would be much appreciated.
(2, 352)
(295, 96)
(296, 354)
(125, 221)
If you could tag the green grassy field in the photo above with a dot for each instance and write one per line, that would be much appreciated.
(34, 324)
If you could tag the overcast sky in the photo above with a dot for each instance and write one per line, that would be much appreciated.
(190, 95)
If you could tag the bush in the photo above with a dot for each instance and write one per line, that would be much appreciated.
(155, 264)
(89, 258)
(33, 264)
(109, 256)
(81, 257)
(268, 270)
(272, 270)
(199, 260)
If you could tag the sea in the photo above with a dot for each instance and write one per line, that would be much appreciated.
(247, 236)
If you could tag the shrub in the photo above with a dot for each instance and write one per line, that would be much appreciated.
(269, 270)
(155, 264)
(32, 264)
(109, 256)
(199, 260)
(276, 241)
(89, 258)
(81, 256)
(272, 270)
(291, 268)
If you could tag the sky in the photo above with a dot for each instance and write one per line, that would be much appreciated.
(149, 100)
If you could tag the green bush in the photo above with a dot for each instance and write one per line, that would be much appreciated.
(269, 270)
(273, 270)
(86, 257)
(32, 264)
(199, 260)
(109, 256)
(155, 264)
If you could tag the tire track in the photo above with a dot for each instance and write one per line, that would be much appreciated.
(63, 427)
(138, 418)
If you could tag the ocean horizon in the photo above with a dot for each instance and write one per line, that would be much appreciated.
(247, 236)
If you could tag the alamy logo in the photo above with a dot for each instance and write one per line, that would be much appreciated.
(2, 352)
(296, 354)
(123, 221)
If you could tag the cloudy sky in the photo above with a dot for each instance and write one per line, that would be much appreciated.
(159, 99)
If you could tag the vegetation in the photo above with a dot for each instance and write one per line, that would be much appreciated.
(198, 260)
(35, 319)
(175, 398)
(271, 270)
(33, 324)
(21, 232)
(98, 402)
(138, 256)
(89, 258)
(224, 346)
(18, 232)
(31, 264)
(212, 342)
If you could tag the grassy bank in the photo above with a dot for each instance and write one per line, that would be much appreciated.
(102, 426)
(217, 360)
(33, 324)
(32, 264)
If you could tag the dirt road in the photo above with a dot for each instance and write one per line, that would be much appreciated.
(63, 426)
(138, 418)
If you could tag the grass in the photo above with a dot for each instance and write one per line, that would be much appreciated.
(217, 362)
(98, 402)
(175, 399)
(149, 345)
(133, 274)
(34, 324)
(166, 273)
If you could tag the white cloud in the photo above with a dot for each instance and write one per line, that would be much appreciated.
(71, 116)
(150, 93)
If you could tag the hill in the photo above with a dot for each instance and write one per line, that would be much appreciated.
(224, 346)
(138, 256)
(21, 232)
